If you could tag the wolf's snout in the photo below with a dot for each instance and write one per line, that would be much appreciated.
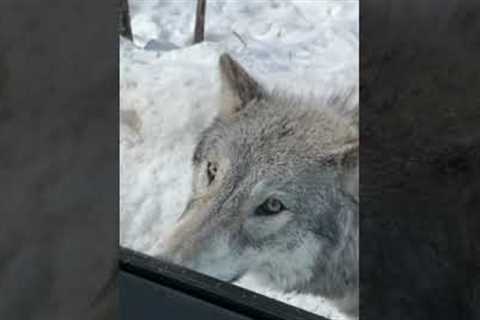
(236, 277)
(203, 244)
(179, 250)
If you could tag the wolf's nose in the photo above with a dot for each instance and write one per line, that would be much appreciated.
(169, 256)
(235, 277)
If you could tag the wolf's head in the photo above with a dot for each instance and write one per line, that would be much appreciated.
(274, 192)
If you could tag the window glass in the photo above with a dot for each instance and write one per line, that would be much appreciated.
(239, 144)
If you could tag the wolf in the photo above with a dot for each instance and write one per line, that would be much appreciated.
(275, 193)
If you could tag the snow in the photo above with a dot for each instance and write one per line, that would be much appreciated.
(169, 92)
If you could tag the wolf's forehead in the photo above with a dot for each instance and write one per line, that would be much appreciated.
(281, 138)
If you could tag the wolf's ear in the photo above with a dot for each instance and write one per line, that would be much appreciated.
(238, 87)
(348, 161)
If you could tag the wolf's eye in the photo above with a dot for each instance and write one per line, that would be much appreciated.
(211, 171)
(270, 206)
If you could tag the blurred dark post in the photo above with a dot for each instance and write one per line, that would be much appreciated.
(124, 20)
(199, 32)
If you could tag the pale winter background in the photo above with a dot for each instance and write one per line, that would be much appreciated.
(169, 92)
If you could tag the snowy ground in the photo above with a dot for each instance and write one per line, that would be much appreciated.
(169, 93)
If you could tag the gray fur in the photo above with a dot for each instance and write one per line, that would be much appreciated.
(263, 144)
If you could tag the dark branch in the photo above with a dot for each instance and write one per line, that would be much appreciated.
(199, 33)
(124, 20)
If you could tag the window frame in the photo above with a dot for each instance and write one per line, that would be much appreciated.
(163, 275)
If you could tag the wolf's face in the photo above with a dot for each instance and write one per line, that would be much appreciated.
(274, 188)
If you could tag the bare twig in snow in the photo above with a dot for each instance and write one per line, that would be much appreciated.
(239, 38)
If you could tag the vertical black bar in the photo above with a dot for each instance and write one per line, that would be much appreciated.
(58, 159)
(420, 159)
